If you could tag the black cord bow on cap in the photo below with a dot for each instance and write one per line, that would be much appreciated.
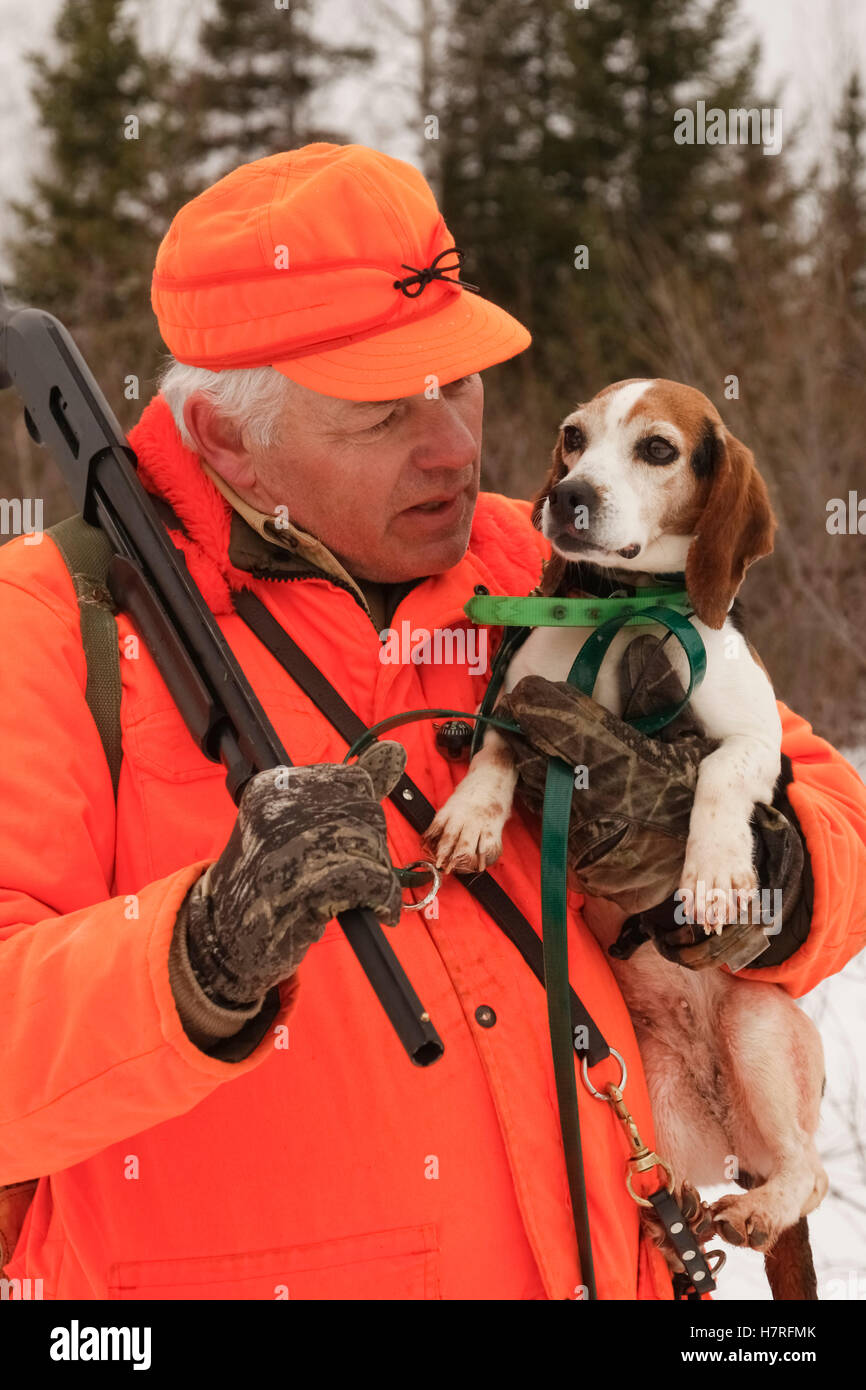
(423, 276)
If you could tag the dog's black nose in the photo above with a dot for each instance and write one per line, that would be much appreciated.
(570, 494)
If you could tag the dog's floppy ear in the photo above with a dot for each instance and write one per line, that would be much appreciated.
(735, 527)
(555, 567)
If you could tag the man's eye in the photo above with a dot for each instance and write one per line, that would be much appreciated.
(657, 450)
(374, 429)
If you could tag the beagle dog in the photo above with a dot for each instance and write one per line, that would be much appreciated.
(646, 480)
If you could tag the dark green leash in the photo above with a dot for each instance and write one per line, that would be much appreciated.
(616, 613)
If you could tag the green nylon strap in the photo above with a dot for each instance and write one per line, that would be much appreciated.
(554, 876)
(512, 638)
(573, 612)
(556, 814)
(411, 716)
(413, 878)
(508, 611)
(584, 672)
(87, 553)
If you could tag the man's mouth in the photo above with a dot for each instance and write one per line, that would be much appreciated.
(435, 503)
(443, 507)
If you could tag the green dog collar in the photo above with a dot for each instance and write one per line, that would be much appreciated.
(508, 611)
(666, 606)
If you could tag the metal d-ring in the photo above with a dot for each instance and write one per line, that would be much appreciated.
(431, 893)
(601, 1095)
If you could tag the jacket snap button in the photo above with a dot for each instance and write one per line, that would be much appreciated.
(481, 589)
(485, 1016)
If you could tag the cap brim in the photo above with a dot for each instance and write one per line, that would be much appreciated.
(462, 338)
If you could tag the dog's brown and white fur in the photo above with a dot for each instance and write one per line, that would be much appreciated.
(734, 1067)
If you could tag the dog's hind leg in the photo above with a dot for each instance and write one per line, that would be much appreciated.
(789, 1266)
(775, 1073)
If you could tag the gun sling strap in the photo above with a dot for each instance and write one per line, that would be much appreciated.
(87, 553)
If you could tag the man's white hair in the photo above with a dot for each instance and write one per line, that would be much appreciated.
(253, 398)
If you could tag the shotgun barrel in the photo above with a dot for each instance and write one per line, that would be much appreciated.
(149, 579)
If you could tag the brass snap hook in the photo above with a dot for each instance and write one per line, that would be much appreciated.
(643, 1164)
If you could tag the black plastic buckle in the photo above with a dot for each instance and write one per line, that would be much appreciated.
(453, 739)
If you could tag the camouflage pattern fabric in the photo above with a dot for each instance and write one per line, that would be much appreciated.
(308, 843)
(633, 798)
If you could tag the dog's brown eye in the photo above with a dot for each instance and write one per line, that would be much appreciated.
(656, 450)
(572, 438)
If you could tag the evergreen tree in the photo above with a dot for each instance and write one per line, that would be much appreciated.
(260, 68)
(98, 204)
(845, 215)
(559, 133)
(414, 37)
(87, 240)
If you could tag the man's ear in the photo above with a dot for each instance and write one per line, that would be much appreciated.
(556, 566)
(735, 528)
(218, 440)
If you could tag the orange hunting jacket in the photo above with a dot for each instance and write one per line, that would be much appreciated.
(324, 1165)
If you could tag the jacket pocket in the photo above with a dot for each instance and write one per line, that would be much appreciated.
(160, 744)
(396, 1264)
(175, 799)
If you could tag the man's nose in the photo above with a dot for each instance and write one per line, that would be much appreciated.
(448, 441)
(570, 494)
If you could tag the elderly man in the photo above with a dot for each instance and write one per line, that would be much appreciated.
(208, 1116)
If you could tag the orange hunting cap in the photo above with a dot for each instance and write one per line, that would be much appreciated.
(333, 264)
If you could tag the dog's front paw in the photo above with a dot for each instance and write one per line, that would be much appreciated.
(466, 834)
(718, 883)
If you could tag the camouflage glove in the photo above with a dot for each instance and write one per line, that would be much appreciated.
(632, 803)
(308, 843)
(779, 860)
